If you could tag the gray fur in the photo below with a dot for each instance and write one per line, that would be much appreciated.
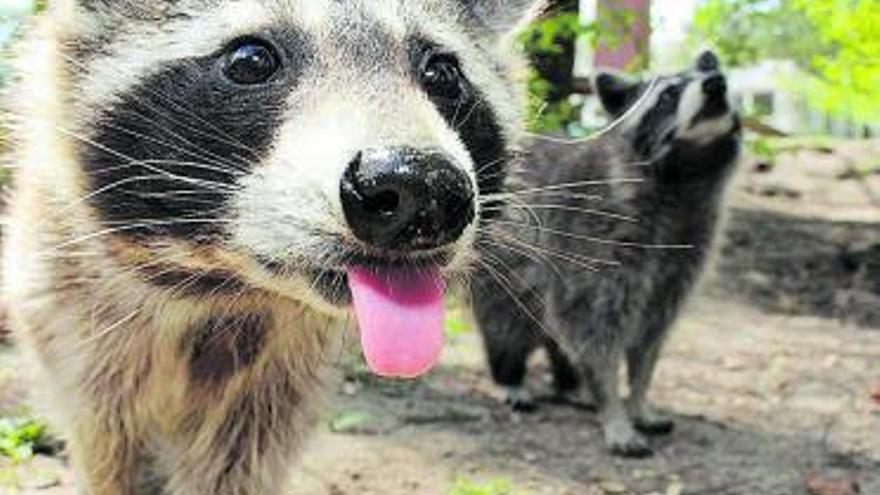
(554, 261)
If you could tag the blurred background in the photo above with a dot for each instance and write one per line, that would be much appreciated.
(773, 373)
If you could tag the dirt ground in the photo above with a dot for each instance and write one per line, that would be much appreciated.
(769, 375)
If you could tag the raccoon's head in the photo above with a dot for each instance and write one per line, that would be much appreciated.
(319, 149)
(687, 115)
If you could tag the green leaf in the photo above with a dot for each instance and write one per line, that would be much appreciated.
(19, 437)
(494, 487)
(456, 327)
(349, 421)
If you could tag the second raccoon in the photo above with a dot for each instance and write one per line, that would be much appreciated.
(660, 172)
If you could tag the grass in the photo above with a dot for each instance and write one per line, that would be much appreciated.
(21, 437)
(769, 149)
(864, 170)
(493, 487)
(456, 324)
(349, 421)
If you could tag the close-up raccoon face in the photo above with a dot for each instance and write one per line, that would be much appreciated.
(311, 148)
(689, 113)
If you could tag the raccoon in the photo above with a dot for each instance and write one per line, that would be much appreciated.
(661, 172)
(206, 191)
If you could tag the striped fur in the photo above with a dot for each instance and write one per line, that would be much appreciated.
(165, 227)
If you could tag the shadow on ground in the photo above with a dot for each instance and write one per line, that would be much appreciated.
(791, 265)
(559, 448)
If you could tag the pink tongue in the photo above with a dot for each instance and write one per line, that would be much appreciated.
(400, 314)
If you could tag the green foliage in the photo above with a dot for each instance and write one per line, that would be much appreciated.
(456, 327)
(747, 31)
(547, 38)
(494, 487)
(769, 149)
(349, 421)
(835, 42)
(20, 436)
(763, 149)
(847, 80)
(550, 108)
(545, 116)
(456, 319)
(546, 35)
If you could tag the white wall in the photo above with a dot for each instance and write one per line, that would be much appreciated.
(768, 78)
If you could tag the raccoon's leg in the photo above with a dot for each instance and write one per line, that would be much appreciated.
(146, 487)
(103, 459)
(156, 488)
(566, 379)
(508, 347)
(151, 480)
(245, 444)
(231, 473)
(641, 361)
(599, 353)
(230, 466)
(621, 437)
(508, 337)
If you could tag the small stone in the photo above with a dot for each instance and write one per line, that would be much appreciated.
(819, 485)
(831, 361)
(676, 488)
(818, 398)
(875, 392)
(349, 388)
(733, 363)
(42, 473)
(591, 490)
(613, 487)
(641, 474)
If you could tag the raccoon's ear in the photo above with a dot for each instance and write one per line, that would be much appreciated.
(502, 17)
(614, 90)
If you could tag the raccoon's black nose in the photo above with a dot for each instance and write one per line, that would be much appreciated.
(708, 62)
(403, 199)
(715, 86)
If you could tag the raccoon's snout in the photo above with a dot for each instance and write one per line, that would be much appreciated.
(708, 62)
(715, 86)
(406, 200)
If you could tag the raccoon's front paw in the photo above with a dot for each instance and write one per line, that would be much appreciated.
(520, 400)
(624, 441)
(647, 421)
(654, 424)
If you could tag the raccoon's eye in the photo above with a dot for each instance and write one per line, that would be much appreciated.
(441, 77)
(251, 62)
(669, 95)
